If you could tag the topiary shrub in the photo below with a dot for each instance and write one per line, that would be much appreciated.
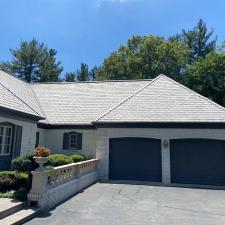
(77, 158)
(10, 180)
(25, 163)
(59, 160)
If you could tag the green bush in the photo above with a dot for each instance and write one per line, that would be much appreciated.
(25, 162)
(7, 194)
(20, 194)
(59, 160)
(10, 180)
(77, 158)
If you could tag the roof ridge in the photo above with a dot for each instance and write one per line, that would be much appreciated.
(127, 98)
(90, 82)
(195, 93)
(19, 98)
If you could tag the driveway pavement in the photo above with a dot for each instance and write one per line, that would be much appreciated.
(123, 204)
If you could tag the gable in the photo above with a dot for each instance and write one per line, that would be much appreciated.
(165, 100)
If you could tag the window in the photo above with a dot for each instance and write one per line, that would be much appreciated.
(73, 138)
(5, 139)
(72, 141)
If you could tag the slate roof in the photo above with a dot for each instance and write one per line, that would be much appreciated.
(17, 95)
(85, 103)
(82, 102)
(164, 100)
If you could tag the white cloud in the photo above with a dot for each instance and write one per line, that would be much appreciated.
(120, 1)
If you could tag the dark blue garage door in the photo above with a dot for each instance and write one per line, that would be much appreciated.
(197, 161)
(135, 159)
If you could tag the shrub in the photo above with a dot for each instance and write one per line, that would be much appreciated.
(10, 180)
(42, 152)
(7, 194)
(59, 160)
(77, 158)
(25, 163)
(20, 194)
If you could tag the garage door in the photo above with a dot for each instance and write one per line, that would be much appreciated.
(135, 159)
(197, 161)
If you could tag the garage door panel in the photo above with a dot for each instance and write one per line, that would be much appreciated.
(135, 159)
(198, 161)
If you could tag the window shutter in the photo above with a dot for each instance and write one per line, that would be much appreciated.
(37, 139)
(65, 141)
(17, 140)
(79, 141)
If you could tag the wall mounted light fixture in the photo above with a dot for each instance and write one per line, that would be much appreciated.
(165, 143)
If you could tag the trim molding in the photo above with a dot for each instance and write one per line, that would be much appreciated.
(12, 112)
(190, 125)
(66, 126)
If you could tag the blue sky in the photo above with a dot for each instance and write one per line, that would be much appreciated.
(89, 30)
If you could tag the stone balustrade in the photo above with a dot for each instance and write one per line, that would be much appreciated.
(51, 186)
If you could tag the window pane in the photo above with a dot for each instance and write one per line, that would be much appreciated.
(73, 141)
(1, 130)
(8, 131)
(6, 149)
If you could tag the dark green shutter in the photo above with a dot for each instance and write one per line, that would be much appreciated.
(37, 139)
(65, 141)
(79, 141)
(17, 140)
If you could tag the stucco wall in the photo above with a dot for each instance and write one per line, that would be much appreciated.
(29, 132)
(104, 134)
(53, 139)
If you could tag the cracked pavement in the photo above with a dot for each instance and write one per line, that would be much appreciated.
(123, 204)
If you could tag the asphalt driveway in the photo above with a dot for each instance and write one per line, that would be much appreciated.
(123, 204)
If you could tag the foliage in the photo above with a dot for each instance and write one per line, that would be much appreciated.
(10, 180)
(7, 194)
(145, 57)
(77, 158)
(25, 162)
(42, 152)
(33, 61)
(70, 76)
(20, 194)
(207, 77)
(59, 160)
(199, 41)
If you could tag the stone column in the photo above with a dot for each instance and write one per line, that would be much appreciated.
(165, 152)
(38, 190)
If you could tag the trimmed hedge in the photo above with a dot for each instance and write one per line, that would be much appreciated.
(25, 162)
(59, 160)
(10, 180)
(77, 158)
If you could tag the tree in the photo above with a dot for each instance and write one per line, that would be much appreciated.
(70, 77)
(33, 62)
(199, 40)
(83, 73)
(145, 57)
(207, 77)
(94, 73)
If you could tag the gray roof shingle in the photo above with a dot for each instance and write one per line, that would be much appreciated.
(82, 102)
(164, 100)
(18, 95)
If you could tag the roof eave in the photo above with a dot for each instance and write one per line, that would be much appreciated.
(184, 125)
(13, 112)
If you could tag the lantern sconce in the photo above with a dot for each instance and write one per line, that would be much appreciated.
(165, 143)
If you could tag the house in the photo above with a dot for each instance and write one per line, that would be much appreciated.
(149, 130)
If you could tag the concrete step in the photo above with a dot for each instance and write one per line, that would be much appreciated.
(21, 216)
(9, 207)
